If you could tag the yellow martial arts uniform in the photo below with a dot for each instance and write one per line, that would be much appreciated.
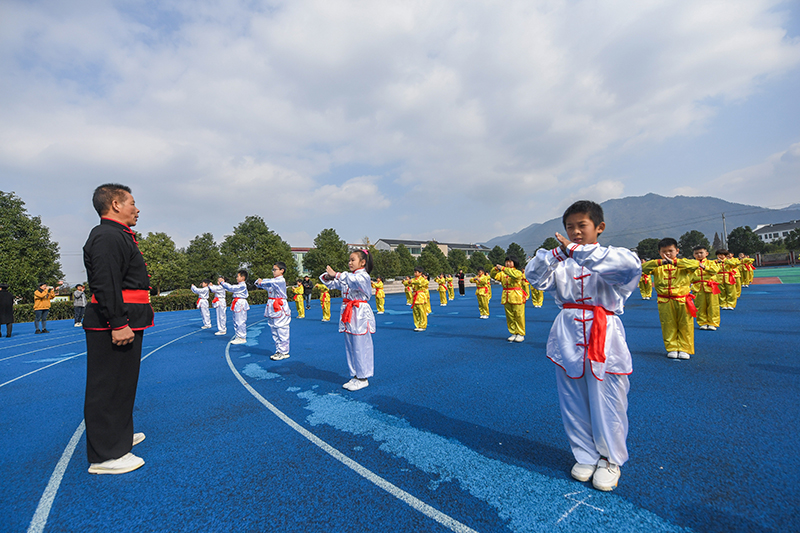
(705, 286)
(537, 297)
(450, 289)
(297, 296)
(727, 289)
(420, 301)
(748, 270)
(428, 303)
(380, 296)
(646, 287)
(513, 298)
(442, 281)
(408, 291)
(737, 273)
(324, 301)
(672, 284)
(484, 292)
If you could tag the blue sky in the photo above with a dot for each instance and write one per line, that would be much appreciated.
(458, 121)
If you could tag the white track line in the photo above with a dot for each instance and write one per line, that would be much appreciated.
(39, 520)
(394, 490)
(41, 349)
(40, 369)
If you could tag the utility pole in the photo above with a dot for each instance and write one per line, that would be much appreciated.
(724, 233)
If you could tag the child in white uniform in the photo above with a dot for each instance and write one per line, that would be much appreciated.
(239, 306)
(356, 320)
(278, 314)
(221, 307)
(590, 284)
(202, 302)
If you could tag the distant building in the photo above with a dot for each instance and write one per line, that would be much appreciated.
(415, 247)
(773, 232)
(299, 254)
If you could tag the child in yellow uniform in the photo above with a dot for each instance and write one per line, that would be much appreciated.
(297, 293)
(442, 281)
(537, 297)
(727, 287)
(380, 296)
(747, 269)
(419, 284)
(705, 286)
(324, 301)
(646, 286)
(737, 274)
(451, 291)
(428, 308)
(483, 291)
(407, 290)
(672, 279)
(513, 299)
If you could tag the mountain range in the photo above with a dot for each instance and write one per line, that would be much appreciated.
(634, 218)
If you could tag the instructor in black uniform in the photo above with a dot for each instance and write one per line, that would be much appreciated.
(114, 323)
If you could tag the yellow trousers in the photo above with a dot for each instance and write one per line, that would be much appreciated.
(326, 310)
(301, 308)
(428, 306)
(727, 295)
(443, 297)
(677, 326)
(515, 318)
(738, 287)
(537, 298)
(647, 291)
(379, 304)
(483, 304)
(420, 316)
(451, 292)
(707, 309)
(409, 297)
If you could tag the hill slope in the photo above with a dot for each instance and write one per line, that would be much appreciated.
(631, 219)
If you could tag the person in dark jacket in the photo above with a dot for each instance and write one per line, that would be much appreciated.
(114, 323)
(460, 277)
(308, 286)
(6, 308)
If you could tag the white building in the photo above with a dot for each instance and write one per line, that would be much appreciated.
(773, 232)
(415, 247)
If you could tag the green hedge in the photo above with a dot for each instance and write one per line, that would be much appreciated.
(172, 302)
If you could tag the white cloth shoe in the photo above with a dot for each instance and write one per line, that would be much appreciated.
(221, 332)
(123, 465)
(205, 327)
(356, 384)
(712, 328)
(279, 356)
(583, 472)
(606, 477)
(672, 355)
(684, 355)
(512, 338)
(519, 338)
(703, 326)
(239, 340)
(137, 438)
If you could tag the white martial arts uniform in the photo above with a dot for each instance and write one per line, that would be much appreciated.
(219, 304)
(202, 304)
(359, 326)
(239, 307)
(277, 312)
(592, 387)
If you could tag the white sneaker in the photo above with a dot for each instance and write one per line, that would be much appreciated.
(380, 312)
(684, 355)
(712, 328)
(238, 340)
(703, 326)
(417, 329)
(357, 384)
(349, 383)
(519, 338)
(137, 438)
(221, 332)
(606, 477)
(672, 355)
(583, 472)
(279, 356)
(512, 338)
(205, 327)
(126, 463)
(77, 325)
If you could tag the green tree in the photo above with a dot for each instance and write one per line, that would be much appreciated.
(744, 240)
(689, 240)
(328, 249)
(253, 246)
(792, 241)
(515, 250)
(648, 249)
(27, 255)
(457, 260)
(166, 266)
(432, 259)
(203, 260)
(550, 243)
(717, 244)
(479, 260)
(405, 260)
(385, 263)
(496, 256)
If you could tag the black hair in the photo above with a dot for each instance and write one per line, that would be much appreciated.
(699, 247)
(281, 265)
(206, 281)
(588, 207)
(513, 260)
(364, 255)
(107, 193)
(419, 269)
(79, 285)
(243, 272)
(722, 251)
(666, 242)
(378, 278)
(482, 269)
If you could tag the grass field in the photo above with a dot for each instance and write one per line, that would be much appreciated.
(786, 274)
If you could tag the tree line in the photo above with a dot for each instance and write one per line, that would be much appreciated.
(741, 240)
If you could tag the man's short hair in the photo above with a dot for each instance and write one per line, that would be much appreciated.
(592, 209)
(107, 193)
(721, 251)
(666, 242)
(699, 247)
(281, 265)
(243, 273)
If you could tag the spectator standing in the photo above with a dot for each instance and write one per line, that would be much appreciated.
(41, 306)
(6, 308)
(79, 304)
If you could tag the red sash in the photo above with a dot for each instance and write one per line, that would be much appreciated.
(597, 335)
(215, 300)
(132, 296)
(198, 301)
(517, 289)
(731, 276)
(325, 297)
(233, 303)
(347, 313)
(711, 283)
(277, 303)
(688, 300)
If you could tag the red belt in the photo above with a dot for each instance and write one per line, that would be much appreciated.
(597, 335)
(132, 296)
(731, 276)
(198, 302)
(347, 313)
(711, 283)
(277, 304)
(414, 301)
(215, 300)
(688, 300)
(233, 303)
(325, 297)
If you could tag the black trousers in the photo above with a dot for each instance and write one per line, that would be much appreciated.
(9, 327)
(112, 374)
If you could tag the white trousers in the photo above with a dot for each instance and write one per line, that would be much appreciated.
(280, 335)
(222, 317)
(240, 324)
(359, 355)
(205, 313)
(595, 415)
